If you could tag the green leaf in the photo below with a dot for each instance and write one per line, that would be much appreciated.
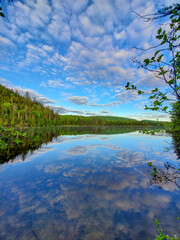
(140, 92)
(146, 61)
(127, 85)
(159, 58)
(159, 30)
(156, 53)
(171, 81)
(165, 108)
(159, 36)
(149, 164)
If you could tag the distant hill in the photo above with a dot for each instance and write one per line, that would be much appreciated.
(115, 118)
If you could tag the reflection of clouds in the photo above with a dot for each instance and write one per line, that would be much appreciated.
(106, 137)
(131, 159)
(78, 150)
(85, 198)
(102, 194)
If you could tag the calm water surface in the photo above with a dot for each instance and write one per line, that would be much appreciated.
(89, 187)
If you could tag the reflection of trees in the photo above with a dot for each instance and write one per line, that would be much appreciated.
(176, 144)
(164, 176)
(170, 173)
(43, 135)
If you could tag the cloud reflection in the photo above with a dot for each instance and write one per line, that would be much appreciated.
(94, 191)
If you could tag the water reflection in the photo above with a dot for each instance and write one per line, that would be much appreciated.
(36, 137)
(161, 177)
(88, 187)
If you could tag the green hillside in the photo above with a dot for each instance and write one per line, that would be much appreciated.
(115, 118)
(17, 110)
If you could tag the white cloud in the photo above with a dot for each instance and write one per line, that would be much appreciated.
(129, 96)
(89, 28)
(106, 112)
(77, 6)
(120, 35)
(78, 100)
(110, 104)
(4, 81)
(6, 41)
(47, 48)
(58, 84)
(150, 81)
(62, 110)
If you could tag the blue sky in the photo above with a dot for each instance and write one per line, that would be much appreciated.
(75, 55)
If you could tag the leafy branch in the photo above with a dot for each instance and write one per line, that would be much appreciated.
(164, 70)
(161, 235)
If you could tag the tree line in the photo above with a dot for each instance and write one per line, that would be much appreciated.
(17, 110)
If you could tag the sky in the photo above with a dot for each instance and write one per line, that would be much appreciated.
(76, 55)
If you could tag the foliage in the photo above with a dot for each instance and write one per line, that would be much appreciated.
(151, 132)
(164, 64)
(9, 136)
(161, 235)
(175, 116)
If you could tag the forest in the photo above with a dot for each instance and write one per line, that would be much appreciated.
(22, 111)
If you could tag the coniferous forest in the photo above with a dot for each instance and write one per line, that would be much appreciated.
(17, 110)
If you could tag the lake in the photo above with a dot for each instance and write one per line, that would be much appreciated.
(89, 184)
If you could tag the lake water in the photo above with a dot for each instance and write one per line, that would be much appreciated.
(90, 187)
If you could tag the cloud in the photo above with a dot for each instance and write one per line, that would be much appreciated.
(42, 58)
(58, 27)
(149, 81)
(85, 101)
(129, 96)
(110, 104)
(22, 91)
(44, 100)
(32, 94)
(62, 110)
(48, 48)
(74, 43)
(4, 81)
(6, 41)
(105, 112)
(89, 28)
(31, 15)
(78, 100)
(89, 41)
(58, 84)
